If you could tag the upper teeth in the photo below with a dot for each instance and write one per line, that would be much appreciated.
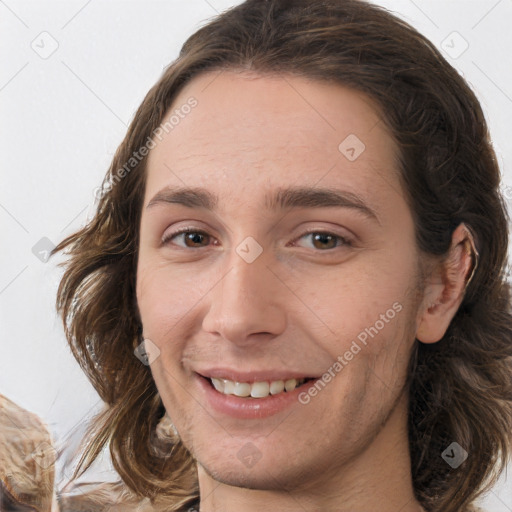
(256, 389)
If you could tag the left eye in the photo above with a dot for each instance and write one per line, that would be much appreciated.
(325, 240)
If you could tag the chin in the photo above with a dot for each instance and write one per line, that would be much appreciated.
(259, 477)
(249, 468)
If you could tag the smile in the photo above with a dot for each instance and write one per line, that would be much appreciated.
(256, 389)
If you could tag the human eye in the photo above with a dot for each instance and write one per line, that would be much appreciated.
(191, 238)
(325, 240)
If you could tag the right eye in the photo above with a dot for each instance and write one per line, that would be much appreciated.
(191, 238)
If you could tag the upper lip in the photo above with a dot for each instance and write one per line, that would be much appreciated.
(252, 376)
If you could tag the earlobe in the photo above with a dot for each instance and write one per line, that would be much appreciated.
(445, 291)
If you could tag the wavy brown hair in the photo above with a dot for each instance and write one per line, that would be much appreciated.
(461, 387)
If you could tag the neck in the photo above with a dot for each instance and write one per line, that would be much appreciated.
(379, 478)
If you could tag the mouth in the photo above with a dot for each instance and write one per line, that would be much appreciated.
(256, 390)
(250, 395)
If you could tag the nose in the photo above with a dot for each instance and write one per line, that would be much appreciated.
(249, 302)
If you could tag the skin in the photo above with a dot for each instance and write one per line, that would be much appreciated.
(300, 304)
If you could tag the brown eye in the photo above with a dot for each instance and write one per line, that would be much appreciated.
(190, 238)
(324, 241)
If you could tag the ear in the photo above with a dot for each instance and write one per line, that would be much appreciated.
(445, 287)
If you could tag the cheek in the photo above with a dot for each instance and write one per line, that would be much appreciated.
(388, 340)
(368, 315)
(364, 297)
(165, 297)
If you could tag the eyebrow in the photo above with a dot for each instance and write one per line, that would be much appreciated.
(279, 199)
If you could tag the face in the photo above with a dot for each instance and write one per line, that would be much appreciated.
(297, 269)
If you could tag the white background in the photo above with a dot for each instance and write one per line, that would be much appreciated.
(62, 117)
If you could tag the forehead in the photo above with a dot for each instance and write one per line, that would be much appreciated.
(249, 131)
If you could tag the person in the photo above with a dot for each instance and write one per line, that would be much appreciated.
(297, 263)
(27, 456)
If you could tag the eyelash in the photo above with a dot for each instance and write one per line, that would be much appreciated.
(344, 242)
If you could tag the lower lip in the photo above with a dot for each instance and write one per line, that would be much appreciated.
(249, 408)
